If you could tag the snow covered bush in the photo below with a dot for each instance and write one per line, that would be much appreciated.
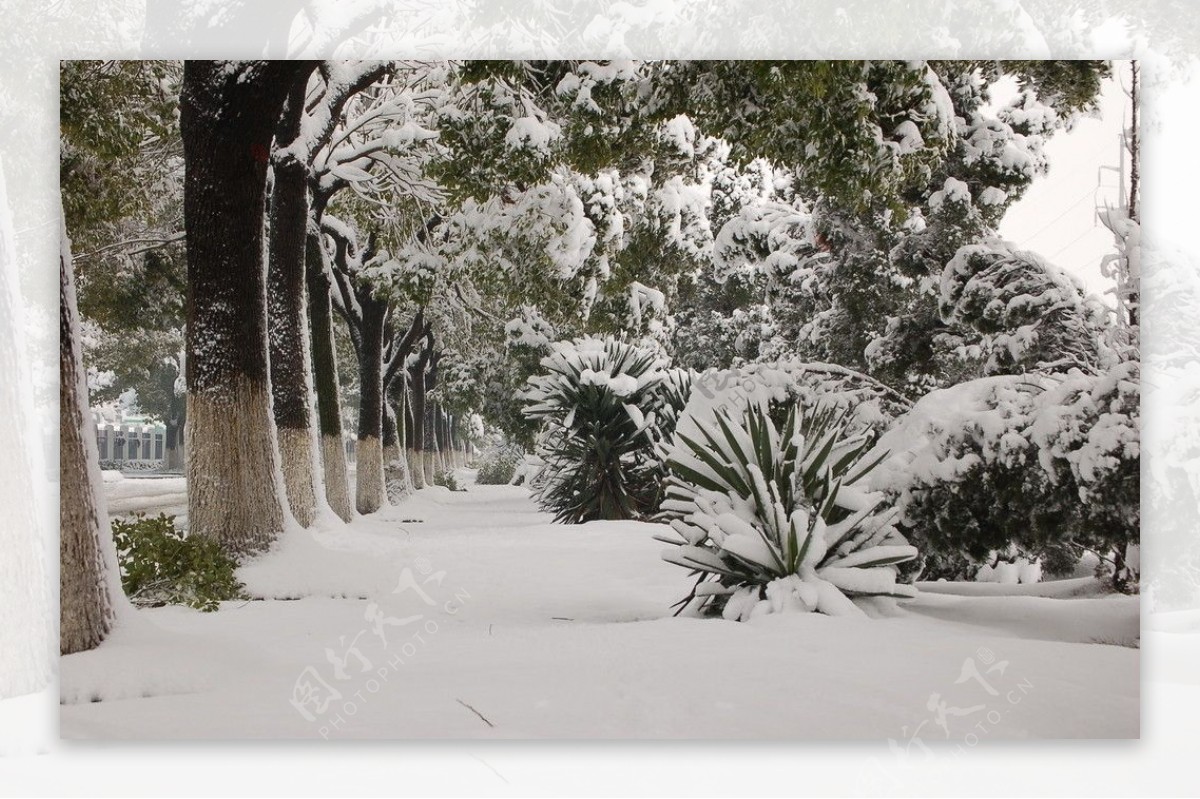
(161, 566)
(772, 517)
(1038, 462)
(1028, 313)
(446, 479)
(605, 407)
(498, 464)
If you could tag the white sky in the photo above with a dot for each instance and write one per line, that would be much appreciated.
(1057, 216)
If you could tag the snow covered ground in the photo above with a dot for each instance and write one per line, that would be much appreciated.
(471, 615)
(145, 493)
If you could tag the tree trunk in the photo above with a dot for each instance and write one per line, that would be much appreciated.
(286, 306)
(325, 381)
(86, 609)
(451, 451)
(429, 427)
(395, 469)
(429, 455)
(416, 453)
(370, 493)
(173, 438)
(227, 118)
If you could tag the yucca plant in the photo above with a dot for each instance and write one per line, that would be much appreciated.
(770, 517)
(603, 404)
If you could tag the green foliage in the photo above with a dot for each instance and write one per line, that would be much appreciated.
(118, 122)
(120, 172)
(1026, 312)
(161, 566)
(604, 406)
(447, 479)
(1060, 561)
(499, 463)
(753, 502)
(837, 124)
(1044, 466)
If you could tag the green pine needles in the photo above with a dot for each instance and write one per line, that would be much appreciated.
(770, 517)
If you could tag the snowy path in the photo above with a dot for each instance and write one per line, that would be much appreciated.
(530, 629)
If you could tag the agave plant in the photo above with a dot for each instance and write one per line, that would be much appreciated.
(605, 407)
(771, 517)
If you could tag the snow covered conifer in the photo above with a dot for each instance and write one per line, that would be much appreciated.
(1028, 313)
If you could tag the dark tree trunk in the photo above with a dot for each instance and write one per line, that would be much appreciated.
(325, 380)
(391, 432)
(228, 114)
(286, 307)
(416, 453)
(370, 489)
(409, 425)
(85, 599)
(429, 425)
(173, 438)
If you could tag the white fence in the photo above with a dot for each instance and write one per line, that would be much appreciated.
(135, 445)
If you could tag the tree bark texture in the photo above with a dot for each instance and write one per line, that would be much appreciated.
(286, 312)
(228, 115)
(85, 603)
(325, 381)
(370, 483)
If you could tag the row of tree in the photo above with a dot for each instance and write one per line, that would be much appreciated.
(260, 243)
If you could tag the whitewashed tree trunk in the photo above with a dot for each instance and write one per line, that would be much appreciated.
(295, 458)
(287, 306)
(416, 468)
(232, 495)
(429, 465)
(324, 374)
(369, 483)
(89, 585)
(228, 114)
(337, 478)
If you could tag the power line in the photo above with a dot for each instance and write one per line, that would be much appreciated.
(1071, 243)
(1089, 193)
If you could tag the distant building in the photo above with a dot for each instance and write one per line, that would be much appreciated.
(131, 442)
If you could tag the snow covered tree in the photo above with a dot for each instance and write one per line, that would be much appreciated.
(922, 167)
(1028, 314)
(89, 585)
(121, 174)
(1059, 454)
(228, 116)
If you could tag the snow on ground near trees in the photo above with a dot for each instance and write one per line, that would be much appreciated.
(542, 630)
(149, 495)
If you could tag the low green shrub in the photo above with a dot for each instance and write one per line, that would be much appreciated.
(499, 464)
(447, 479)
(162, 566)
